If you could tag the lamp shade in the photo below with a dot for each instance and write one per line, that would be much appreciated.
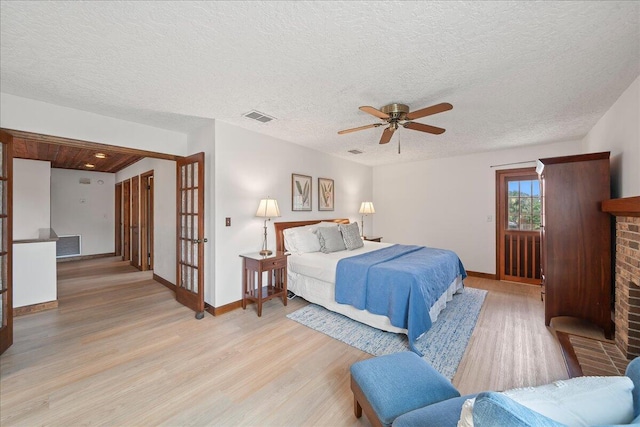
(268, 208)
(367, 208)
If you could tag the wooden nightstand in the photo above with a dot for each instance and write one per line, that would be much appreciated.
(253, 267)
(373, 238)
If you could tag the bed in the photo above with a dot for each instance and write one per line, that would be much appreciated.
(312, 276)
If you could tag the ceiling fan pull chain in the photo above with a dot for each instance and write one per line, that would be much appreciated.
(398, 143)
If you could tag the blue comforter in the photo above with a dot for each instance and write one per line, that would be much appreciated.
(401, 282)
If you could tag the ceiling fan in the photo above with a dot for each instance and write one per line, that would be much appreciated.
(399, 115)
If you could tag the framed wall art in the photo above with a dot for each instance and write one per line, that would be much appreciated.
(300, 192)
(326, 194)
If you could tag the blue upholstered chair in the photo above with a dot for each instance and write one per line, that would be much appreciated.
(403, 390)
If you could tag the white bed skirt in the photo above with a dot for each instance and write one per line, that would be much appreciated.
(323, 293)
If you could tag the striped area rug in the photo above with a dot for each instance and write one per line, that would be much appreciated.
(442, 346)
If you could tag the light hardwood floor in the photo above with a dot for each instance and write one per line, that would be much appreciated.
(119, 350)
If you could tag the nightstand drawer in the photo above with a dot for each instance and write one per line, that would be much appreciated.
(268, 264)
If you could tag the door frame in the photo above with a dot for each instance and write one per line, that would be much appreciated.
(126, 214)
(118, 219)
(135, 221)
(6, 329)
(146, 220)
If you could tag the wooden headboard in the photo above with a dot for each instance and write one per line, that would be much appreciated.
(281, 226)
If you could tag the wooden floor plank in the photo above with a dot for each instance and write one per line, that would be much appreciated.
(119, 350)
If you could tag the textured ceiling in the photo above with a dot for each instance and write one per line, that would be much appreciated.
(517, 73)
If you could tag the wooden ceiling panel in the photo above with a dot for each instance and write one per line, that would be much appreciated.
(65, 157)
(73, 154)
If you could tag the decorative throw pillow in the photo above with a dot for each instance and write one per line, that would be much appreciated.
(351, 235)
(493, 409)
(330, 239)
(581, 401)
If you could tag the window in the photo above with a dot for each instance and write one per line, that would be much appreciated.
(524, 206)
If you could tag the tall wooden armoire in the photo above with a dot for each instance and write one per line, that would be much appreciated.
(576, 238)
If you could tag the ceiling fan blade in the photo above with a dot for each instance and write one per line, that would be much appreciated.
(386, 135)
(374, 112)
(375, 125)
(424, 128)
(434, 109)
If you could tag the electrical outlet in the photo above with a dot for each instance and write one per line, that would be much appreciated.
(227, 222)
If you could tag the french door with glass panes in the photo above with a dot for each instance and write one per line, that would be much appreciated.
(6, 189)
(190, 233)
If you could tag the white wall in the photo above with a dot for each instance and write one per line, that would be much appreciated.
(445, 203)
(34, 264)
(250, 166)
(618, 131)
(40, 117)
(164, 209)
(34, 273)
(85, 209)
(31, 198)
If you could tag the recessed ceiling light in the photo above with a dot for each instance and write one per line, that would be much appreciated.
(89, 165)
(100, 155)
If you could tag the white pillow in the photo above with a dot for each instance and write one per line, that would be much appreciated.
(306, 241)
(289, 234)
(581, 401)
(289, 245)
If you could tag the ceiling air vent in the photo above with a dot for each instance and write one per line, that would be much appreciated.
(257, 115)
(355, 151)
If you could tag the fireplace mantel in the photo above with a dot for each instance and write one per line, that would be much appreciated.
(628, 206)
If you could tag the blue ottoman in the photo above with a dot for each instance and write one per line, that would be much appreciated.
(386, 387)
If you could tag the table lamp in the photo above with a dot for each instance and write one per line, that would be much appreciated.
(267, 209)
(366, 208)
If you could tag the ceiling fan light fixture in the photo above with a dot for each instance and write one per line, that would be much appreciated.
(395, 110)
(400, 114)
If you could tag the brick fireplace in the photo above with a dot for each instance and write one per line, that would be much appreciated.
(627, 273)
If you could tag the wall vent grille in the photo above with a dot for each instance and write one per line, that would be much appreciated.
(69, 245)
(257, 115)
